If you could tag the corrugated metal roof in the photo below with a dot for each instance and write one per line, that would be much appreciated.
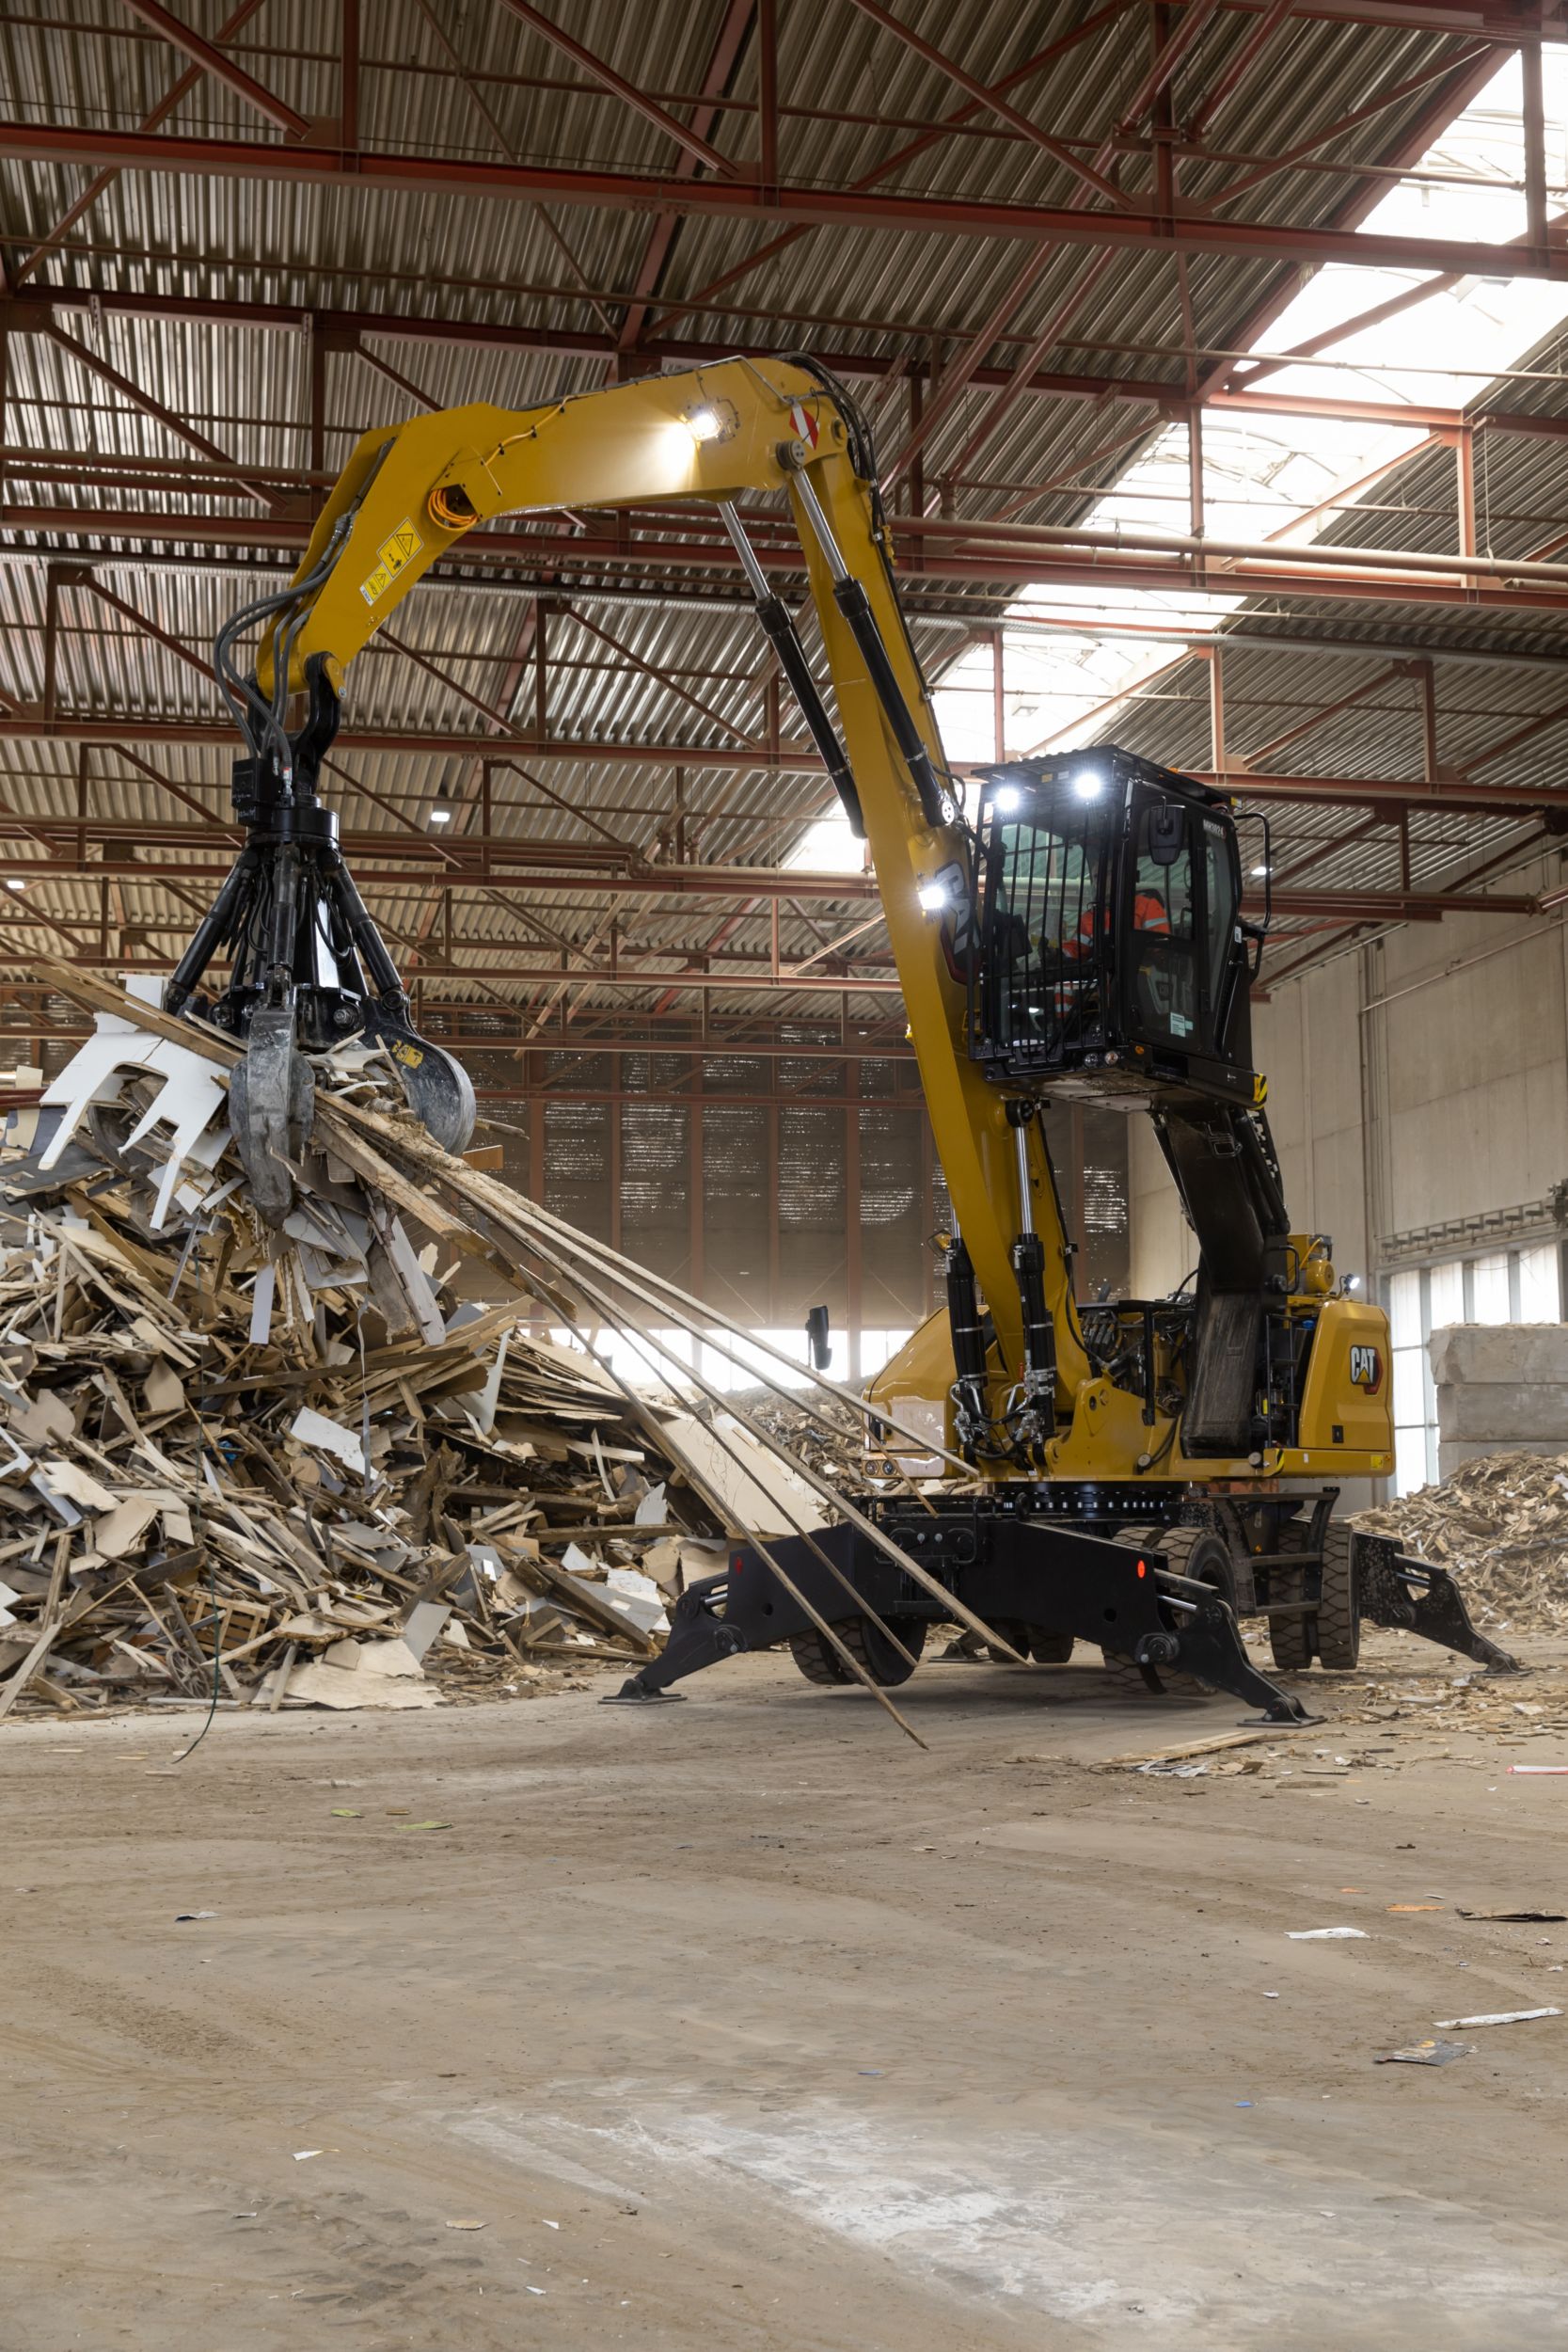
(901, 298)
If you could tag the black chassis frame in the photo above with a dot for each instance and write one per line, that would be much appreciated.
(1043, 1555)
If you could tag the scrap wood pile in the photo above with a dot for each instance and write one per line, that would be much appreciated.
(1501, 1524)
(361, 1479)
(302, 1464)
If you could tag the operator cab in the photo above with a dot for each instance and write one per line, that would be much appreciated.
(1113, 955)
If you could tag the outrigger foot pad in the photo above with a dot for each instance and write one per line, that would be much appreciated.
(632, 1694)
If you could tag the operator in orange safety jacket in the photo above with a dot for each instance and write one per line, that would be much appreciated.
(1149, 914)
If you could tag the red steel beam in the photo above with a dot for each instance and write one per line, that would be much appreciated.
(722, 59)
(993, 101)
(112, 732)
(751, 885)
(1428, 122)
(32, 306)
(959, 549)
(143, 400)
(1050, 335)
(1510, 22)
(103, 179)
(957, 376)
(1440, 70)
(201, 52)
(930, 136)
(949, 215)
(436, 742)
(1168, 57)
(758, 981)
(1245, 56)
(630, 95)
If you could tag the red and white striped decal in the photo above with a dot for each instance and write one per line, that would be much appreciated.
(804, 423)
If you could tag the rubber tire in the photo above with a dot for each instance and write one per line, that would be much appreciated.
(817, 1660)
(1012, 1629)
(1178, 1544)
(1134, 1680)
(1049, 1648)
(1338, 1618)
(1042, 1642)
(1290, 1639)
(866, 1644)
(821, 1663)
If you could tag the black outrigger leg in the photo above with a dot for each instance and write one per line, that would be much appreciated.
(1412, 1594)
(1004, 1568)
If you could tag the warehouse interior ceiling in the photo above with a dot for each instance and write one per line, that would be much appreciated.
(1171, 325)
(1291, 476)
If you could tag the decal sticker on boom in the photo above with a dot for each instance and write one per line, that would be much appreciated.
(402, 547)
(806, 427)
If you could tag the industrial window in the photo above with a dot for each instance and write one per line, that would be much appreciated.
(1521, 1285)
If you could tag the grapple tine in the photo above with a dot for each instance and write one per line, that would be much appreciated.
(440, 1091)
(271, 1099)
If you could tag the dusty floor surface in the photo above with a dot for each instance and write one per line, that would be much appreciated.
(742, 2023)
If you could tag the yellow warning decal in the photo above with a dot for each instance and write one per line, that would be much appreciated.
(403, 546)
(409, 1056)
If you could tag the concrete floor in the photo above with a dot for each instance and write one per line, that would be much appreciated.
(799, 2038)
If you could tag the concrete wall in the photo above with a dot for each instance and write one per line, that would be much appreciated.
(1418, 1080)
(1502, 1387)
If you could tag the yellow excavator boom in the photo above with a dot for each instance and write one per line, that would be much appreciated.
(742, 428)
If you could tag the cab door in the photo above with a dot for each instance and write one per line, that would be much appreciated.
(1164, 972)
(1224, 952)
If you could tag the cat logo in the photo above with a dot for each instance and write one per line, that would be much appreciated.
(1366, 1369)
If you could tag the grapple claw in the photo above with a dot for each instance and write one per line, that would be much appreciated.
(440, 1091)
(272, 1096)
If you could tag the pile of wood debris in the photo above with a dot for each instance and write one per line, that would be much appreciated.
(300, 1467)
(1502, 1523)
(318, 1445)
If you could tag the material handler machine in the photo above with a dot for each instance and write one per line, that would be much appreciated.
(1142, 1474)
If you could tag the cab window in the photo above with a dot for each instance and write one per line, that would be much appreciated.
(1219, 874)
(1164, 976)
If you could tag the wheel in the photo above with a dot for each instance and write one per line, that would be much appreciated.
(1042, 1642)
(865, 1642)
(821, 1663)
(1338, 1619)
(1134, 1680)
(1194, 1551)
(1197, 1552)
(1289, 1637)
(817, 1659)
(1048, 1648)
